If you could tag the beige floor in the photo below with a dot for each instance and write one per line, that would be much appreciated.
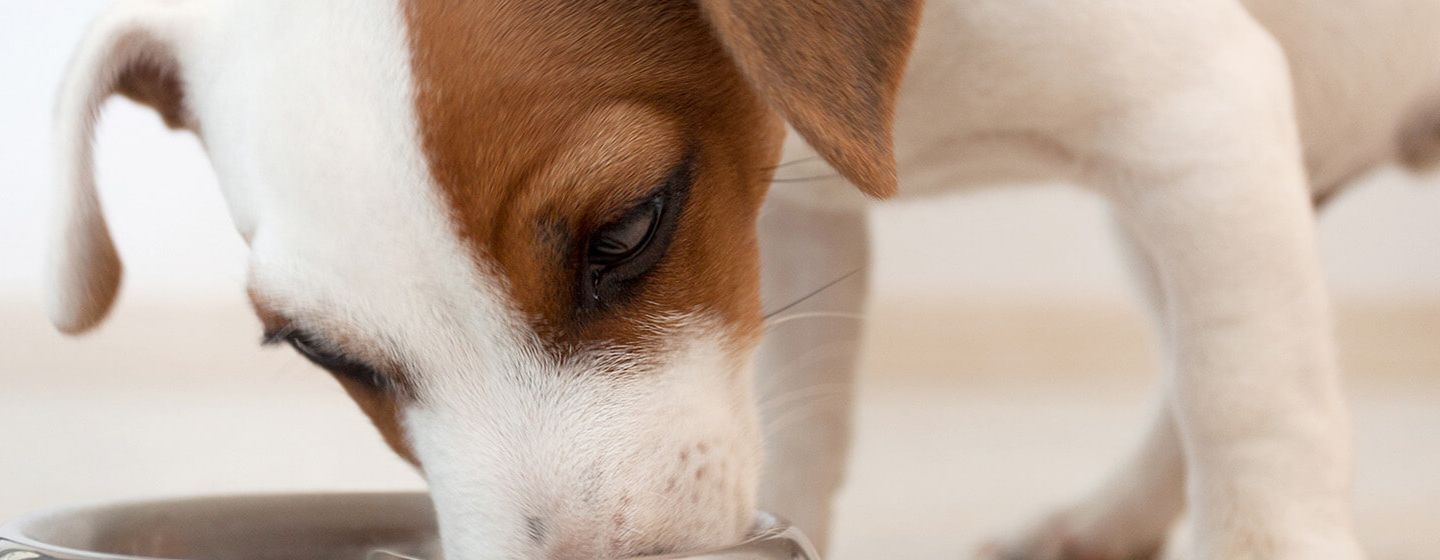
(971, 418)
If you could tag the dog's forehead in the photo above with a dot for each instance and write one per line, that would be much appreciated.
(313, 133)
(404, 156)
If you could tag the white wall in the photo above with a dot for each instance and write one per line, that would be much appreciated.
(1381, 242)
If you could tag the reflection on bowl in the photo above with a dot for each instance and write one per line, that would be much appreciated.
(376, 526)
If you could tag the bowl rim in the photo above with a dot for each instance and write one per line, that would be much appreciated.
(770, 530)
(13, 530)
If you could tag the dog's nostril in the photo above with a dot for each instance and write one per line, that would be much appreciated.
(535, 527)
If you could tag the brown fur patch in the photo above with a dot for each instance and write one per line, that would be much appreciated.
(832, 67)
(156, 84)
(541, 120)
(384, 411)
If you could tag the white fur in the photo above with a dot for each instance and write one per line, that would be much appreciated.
(612, 458)
(306, 110)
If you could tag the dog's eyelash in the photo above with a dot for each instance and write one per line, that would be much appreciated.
(322, 355)
(817, 291)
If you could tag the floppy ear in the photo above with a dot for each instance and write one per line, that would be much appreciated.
(131, 51)
(831, 68)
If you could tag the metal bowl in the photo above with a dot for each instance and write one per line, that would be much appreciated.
(374, 526)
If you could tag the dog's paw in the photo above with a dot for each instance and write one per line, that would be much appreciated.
(1062, 537)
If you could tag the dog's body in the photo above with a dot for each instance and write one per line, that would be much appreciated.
(1012, 92)
(1132, 99)
(522, 233)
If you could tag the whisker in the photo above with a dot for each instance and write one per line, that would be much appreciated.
(804, 179)
(795, 415)
(822, 355)
(791, 162)
(770, 380)
(812, 294)
(382, 554)
(813, 315)
(809, 392)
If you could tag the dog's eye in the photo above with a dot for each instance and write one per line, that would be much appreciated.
(337, 363)
(628, 236)
(618, 254)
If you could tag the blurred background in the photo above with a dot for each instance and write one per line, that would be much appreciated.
(1007, 365)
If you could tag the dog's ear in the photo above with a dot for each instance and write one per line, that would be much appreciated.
(831, 68)
(131, 50)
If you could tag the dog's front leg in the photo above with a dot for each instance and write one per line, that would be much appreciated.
(806, 365)
(1255, 393)
(1211, 183)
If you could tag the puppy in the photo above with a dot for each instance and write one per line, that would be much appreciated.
(523, 234)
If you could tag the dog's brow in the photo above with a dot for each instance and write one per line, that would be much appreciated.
(627, 192)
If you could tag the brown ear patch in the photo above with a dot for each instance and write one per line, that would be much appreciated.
(832, 68)
(155, 82)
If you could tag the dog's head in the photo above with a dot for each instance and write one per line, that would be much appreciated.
(520, 233)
